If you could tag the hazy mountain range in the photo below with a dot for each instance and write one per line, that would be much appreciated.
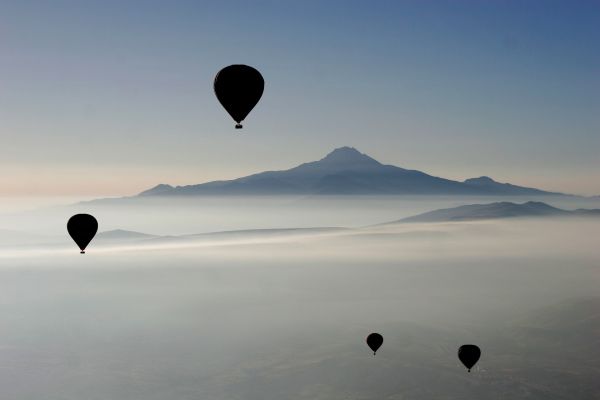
(471, 212)
(346, 171)
(497, 210)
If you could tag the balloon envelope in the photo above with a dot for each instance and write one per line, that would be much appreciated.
(374, 340)
(82, 228)
(469, 354)
(238, 89)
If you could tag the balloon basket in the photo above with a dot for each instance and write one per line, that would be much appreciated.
(238, 126)
(82, 252)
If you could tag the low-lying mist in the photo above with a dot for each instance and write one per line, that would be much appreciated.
(283, 314)
(178, 216)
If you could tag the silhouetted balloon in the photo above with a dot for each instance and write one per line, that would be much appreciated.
(82, 228)
(239, 88)
(469, 354)
(374, 340)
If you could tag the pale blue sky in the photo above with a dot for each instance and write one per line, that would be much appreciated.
(112, 97)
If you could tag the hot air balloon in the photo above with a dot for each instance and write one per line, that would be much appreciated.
(469, 354)
(82, 228)
(238, 89)
(374, 340)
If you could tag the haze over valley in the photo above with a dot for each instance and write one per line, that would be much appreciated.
(282, 313)
(236, 297)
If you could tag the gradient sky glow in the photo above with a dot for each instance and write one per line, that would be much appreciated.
(112, 97)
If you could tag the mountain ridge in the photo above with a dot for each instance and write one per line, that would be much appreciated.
(497, 210)
(345, 171)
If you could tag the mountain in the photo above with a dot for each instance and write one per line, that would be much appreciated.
(344, 171)
(495, 211)
(157, 190)
(488, 184)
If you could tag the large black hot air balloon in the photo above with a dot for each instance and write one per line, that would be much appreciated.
(239, 88)
(82, 228)
(374, 340)
(469, 354)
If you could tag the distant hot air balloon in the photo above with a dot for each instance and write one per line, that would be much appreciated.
(374, 340)
(238, 89)
(469, 354)
(82, 228)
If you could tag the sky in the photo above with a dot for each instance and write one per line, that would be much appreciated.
(108, 98)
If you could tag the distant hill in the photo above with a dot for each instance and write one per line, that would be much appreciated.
(488, 184)
(463, 213)
(496, 210)
(345, 171)
(123, 235)
(118, 236)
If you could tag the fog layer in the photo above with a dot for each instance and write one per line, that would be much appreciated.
(274, 315)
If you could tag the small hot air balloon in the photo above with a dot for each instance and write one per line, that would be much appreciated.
(238, 89)
(469, 354)
(82, 228)
(374, 340)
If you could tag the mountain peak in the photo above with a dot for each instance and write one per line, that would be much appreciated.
(348, 155)
(160, 188)
(482, 180)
